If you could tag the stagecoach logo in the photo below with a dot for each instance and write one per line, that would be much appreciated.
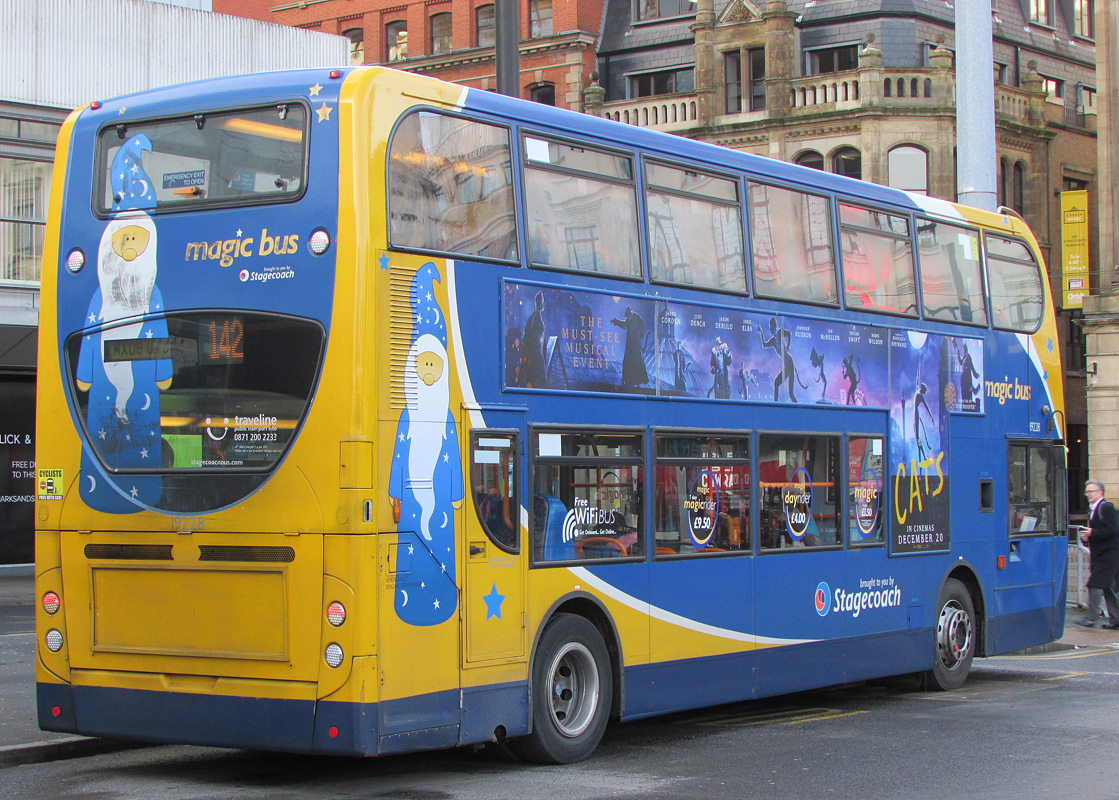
(823, 599)
(873, 593)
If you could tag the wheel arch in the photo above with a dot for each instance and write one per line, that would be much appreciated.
(966, 574)
(590, 608)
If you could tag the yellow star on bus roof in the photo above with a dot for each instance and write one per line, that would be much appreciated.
(314, 90)
(324, 113)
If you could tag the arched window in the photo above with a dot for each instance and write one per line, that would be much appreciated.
(908, 168)
(847, 161)
(357, 45)
(440, 33)
(1004, 176)
(485, 28)
(810, 158)
(396, 40)
(1018, 201)
(543, 93)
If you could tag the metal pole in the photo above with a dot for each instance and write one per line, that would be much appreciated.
(508, 54)
(975, 105)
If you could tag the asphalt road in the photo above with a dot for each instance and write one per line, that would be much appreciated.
(1023, 727)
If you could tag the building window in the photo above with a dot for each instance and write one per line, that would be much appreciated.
(539, 18)
(1018, 199)
(810, 158)
(833, 59)
(485, 28)
(440, 33)
(396, 40)
(732, 75)
(1088, 99)
(544, 93)
(1041, 12)
(756, 59)
(1083, 16)
(1004, 176)
(662, 9)
(847, 161)
(24, 191)
(357, 45)
(672, 81)
(1055, 88)
(909, 169)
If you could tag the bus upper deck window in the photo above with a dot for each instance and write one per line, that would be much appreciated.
(227, 158)
(581, 207)
(694, 228)
(792, 246)
(877, 261)
(951, 273)
(1016, 289)
(451, 187)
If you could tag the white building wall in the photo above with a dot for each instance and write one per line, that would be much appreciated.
(65, 53)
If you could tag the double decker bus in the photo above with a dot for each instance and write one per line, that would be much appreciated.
(378, 414)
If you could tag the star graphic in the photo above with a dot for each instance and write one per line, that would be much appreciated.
(135, 492)
(411, 550)
(437, 604)
(314, 90)
(384, 260)
(122, 110)
(1050, 345)
(493, 603)
(144, 452)
(324, 112)
(238, 233)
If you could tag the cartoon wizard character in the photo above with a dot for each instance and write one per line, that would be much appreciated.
(124, 382)
(425, 480)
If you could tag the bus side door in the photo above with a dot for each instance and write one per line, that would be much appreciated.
(493, 587)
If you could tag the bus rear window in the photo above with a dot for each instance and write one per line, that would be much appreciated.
(232, 158)
(198, 392)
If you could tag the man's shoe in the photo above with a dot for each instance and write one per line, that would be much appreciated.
(1085, 623)
(1110, 626)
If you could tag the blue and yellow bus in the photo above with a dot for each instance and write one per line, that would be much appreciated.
(378, 414)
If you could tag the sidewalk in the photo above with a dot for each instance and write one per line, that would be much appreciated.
(21, 741)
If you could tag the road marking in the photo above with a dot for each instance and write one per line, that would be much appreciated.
(1062, 677)
(788, 716)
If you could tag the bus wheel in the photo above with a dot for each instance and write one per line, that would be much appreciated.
(955, 638)
(571, 693)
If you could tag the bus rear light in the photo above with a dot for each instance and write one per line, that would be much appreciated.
(75, 261)
(336, 614)
(96, 104)
(51, 603)
(54, 640)
(333, 654)
(319, 241)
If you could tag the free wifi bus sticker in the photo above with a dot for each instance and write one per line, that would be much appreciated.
(50, 484)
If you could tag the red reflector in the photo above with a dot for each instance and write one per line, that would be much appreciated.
(334, 74)
(96, 104)
(56, 711)
(1002, 562)
(333, 732)
(51, 603)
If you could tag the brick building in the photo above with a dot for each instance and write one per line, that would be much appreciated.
(454, 40)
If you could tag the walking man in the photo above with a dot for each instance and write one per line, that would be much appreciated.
(1102, 538)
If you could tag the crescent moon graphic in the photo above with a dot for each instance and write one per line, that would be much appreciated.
(147, 401)
(446, 519)
(405, 593)
(143, 183)
(92, 483)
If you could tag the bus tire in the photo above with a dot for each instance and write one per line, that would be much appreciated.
(571, 690)
(955, 638)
